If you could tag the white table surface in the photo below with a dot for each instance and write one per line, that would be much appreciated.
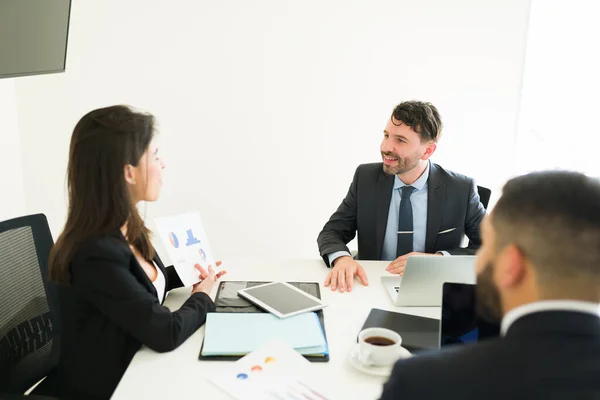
(180, 375)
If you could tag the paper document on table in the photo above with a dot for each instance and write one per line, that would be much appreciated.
(275, 371)
(184, 238)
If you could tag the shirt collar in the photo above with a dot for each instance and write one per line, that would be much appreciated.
(419, 184)
(548, 305)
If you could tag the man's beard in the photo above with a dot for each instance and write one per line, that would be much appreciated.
(404, 164)
(487, 299)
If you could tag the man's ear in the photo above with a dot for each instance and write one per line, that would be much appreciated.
(511, 267)
(130, 174)
(429, 150)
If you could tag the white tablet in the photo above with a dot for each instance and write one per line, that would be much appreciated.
(281, 299)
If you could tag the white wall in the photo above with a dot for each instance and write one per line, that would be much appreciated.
(267, 107)
(557, 124)
(12, 200)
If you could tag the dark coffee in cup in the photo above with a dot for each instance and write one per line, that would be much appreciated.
(379, 341)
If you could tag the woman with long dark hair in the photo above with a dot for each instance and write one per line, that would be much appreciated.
(112, 283)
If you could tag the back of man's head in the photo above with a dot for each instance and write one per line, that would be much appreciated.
(553, 218)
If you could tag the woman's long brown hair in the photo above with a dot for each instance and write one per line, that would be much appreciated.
(104, 141)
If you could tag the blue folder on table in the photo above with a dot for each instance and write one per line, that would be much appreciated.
(237, 334)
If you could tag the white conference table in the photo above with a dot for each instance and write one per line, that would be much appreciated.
(181, 375)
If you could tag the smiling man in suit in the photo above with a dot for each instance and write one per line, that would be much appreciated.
(404, 206)
(538, 272)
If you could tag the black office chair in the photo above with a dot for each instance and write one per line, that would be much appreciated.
(29, 320)
(484, 196)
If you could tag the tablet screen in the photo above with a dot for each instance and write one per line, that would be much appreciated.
(460, 323)
(283, 299)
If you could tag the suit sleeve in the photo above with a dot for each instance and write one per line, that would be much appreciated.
(396, 385)
(475, 214)
(103, 279)
(341, 227)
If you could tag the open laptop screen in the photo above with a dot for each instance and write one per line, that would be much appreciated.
(459, 322)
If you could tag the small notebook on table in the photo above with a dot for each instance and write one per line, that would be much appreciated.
(238, 327)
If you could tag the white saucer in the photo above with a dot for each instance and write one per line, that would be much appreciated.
(371, 370)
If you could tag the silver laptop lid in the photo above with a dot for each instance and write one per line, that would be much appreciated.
(424, 276)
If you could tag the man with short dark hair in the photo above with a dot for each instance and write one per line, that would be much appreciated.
(404, 206)
(538, 271)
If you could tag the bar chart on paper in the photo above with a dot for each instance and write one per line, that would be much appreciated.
(186, 242)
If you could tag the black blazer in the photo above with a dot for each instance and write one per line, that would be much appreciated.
(545, 355)
(453, 202)
(110, 309)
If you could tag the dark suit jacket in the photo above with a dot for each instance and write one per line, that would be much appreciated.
(545, 355)
(109, 310)
(453, 202)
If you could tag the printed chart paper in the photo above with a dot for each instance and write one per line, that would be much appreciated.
(275, 371)
(184, 238)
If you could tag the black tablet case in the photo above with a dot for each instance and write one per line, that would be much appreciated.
(418, 333)
(228, 301)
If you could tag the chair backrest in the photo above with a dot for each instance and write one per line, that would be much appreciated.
(484, 195)
(29, 320)
(484, 198)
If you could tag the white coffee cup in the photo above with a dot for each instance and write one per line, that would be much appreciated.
(378, 347)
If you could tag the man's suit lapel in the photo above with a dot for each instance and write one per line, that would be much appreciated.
(385, 184)
(435, 204)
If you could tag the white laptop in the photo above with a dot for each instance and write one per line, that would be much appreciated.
(424, 276)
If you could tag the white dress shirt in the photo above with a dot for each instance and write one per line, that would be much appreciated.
(419, 200)
(548, 305)
(159, 283)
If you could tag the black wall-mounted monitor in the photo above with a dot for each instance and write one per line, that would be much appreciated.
(33, 36)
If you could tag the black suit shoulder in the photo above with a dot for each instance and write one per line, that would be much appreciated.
(370, 169)
(366, 179)
(115, 249)
(537, 366)
(451, 177)
(105, 246)
(431, 375)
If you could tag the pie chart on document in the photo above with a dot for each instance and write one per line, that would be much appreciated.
(202, 254)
